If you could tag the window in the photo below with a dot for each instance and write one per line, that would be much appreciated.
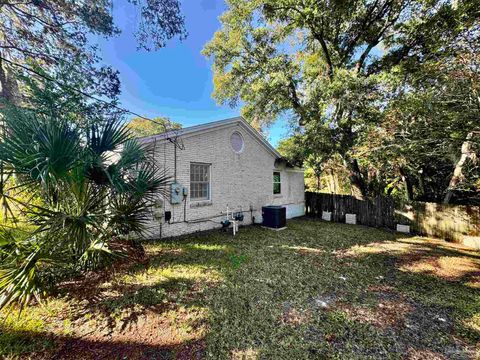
(237, 143)
(199, 181)
(277, 184)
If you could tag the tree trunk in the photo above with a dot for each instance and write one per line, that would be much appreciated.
(4, 94)
(8, 89)
(331, 182)
(408, 184)
(458, 175)
(421, 184)
(357, 182)
(8, 85)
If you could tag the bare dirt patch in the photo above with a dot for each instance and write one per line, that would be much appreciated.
(384, 315)
(420, 354)
(293, 316)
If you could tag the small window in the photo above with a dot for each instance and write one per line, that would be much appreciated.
(199, 181)
(237, 143)
(277, 184)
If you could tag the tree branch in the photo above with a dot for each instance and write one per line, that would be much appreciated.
(364, 27)
(377, 40)
(319, 37)
(44, 56)
(387, 7)
(296, 104)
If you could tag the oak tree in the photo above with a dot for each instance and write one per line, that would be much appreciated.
(333, 66)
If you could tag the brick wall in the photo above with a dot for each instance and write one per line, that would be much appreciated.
(243, 182)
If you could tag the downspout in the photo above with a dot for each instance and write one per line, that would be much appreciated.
(175, 162)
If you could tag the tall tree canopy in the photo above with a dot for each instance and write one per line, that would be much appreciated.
(333, 66)
(58, 32)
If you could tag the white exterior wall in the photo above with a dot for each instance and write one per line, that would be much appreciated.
(240, 181)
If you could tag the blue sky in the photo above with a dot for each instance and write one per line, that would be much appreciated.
(175, 81)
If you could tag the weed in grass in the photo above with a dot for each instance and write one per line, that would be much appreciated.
(237, 260)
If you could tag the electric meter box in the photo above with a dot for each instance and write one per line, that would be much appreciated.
(176, 193)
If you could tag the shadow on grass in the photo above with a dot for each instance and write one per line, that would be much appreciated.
(172, 278)
(165, 289)
(48, 346)
(441, 312)
(299, 297)
(434, 316)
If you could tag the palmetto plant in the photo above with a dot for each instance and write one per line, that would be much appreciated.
(75, 189)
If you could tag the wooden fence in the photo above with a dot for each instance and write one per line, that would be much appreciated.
(451, 222)
(378, 212)
(459, 223)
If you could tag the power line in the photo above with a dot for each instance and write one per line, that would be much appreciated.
(65, 86)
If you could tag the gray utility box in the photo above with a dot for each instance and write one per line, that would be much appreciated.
(178, 193)
(274, 216)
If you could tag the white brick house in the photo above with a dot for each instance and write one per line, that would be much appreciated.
(222, 164)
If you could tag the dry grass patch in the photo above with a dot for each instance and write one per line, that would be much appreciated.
(454, 268)
(421, 354)
(385, 314)
(294, 317)
(248, 354)
(449, 261)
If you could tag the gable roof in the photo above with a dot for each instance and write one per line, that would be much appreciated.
(210, 126)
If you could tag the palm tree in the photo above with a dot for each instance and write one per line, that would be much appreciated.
(76, 188)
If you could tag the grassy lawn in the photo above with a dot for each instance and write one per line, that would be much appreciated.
(316, 290)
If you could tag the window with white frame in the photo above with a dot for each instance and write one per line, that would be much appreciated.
(277, 184)
(199, 181)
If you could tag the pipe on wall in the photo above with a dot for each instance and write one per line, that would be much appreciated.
(207, 218)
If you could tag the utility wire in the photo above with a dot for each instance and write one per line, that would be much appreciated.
(46, 77)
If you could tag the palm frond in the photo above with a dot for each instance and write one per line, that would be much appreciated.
(107, 136)
(97, 254)
(41, 148)
(148, 181)
(78, 219)
(132, 154)
(104, 140)
(130, 214)
(7, 240)
(77, 188)
(19, 283)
